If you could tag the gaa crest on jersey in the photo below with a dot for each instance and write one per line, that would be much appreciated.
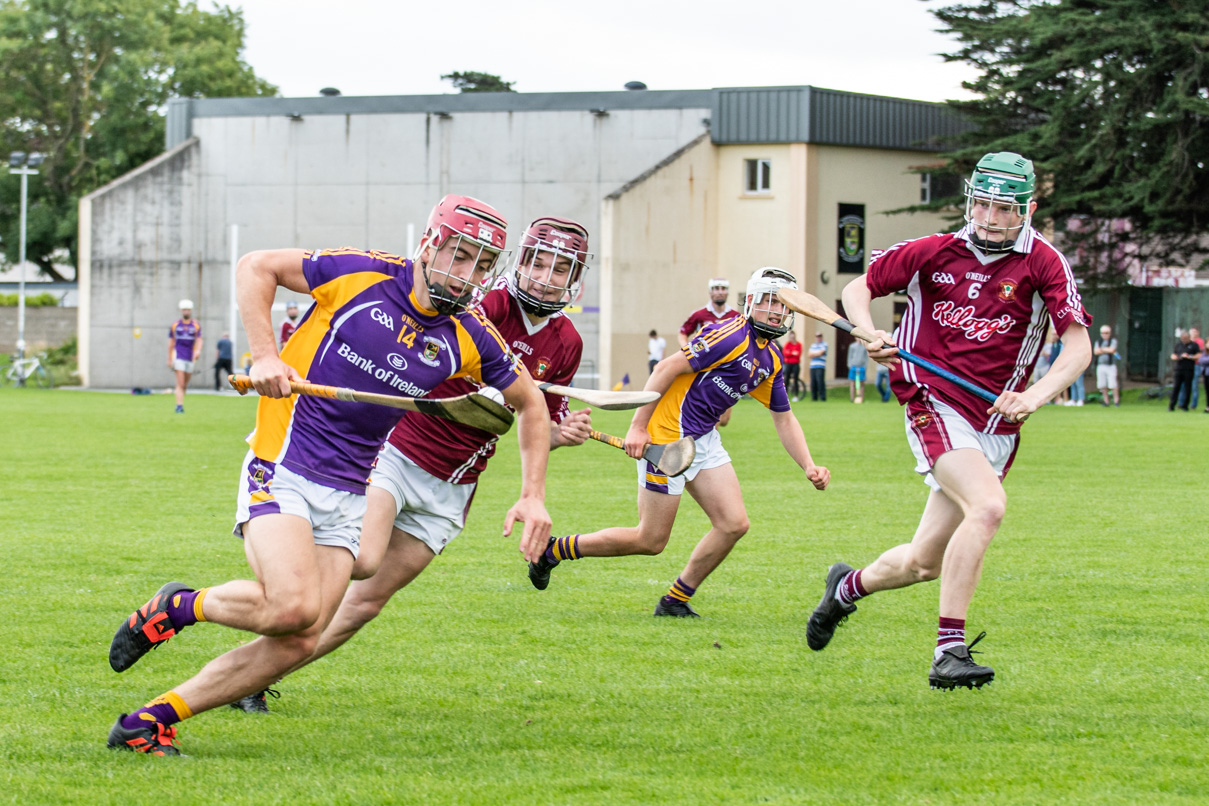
(1007, 290)
(543, 364)
(432, 352)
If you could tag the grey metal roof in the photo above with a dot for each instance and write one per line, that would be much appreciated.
(738, 114)
(831, 117)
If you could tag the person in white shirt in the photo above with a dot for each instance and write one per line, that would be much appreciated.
(654, 348)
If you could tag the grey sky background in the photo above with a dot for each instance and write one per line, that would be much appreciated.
(377, 47)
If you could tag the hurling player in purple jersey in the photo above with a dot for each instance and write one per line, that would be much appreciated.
(426, 475)
(979, 304)
(380, 323)
(184, 346)
(723, 362)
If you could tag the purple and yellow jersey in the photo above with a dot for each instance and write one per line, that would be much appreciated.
(729, 360)
(368, 332)
(185, 333)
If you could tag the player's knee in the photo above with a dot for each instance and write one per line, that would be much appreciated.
(925, 569)
(988, 512)
(293, 616)
(735, 529)
(366, 566)
(362, 609)
(651, 543)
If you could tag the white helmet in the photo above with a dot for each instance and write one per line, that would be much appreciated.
(185, 303)
(761, 293)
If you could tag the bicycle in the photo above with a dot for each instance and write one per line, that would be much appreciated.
(22, 370)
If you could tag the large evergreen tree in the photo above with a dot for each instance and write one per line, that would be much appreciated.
(85, 82)
(1110, 99)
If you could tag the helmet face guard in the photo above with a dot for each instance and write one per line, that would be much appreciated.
(761, 296)
(1005, 181)
(467, 239)
(550, 265)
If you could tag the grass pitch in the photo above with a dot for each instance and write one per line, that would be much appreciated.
(474, 688)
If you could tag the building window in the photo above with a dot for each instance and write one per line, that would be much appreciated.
(939, 187)
(758, 175)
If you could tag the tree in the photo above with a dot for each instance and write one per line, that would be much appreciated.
(1110, 99)
(85, 82)
(471, 81)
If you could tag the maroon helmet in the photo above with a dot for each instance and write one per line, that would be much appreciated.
(479, 229)
(550, 265)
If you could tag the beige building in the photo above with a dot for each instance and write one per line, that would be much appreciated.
(720, 208)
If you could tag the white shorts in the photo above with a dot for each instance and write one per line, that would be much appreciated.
(181, 365)
(1106, 376)
(266, 488)
(429, 509)
(710, 453)
(934, 428)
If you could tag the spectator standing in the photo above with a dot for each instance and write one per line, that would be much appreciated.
(818, 368)
(858, 359)
(654, 351)
(883, 382)
(1184, 354)
(1105, 352)
(1196, 371)
(792, 353)
(224, 360)
(1202, 364)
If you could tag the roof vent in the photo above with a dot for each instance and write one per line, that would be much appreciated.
(635, 85)
(329, 92)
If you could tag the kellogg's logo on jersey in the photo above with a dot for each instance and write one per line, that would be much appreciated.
(975, 328)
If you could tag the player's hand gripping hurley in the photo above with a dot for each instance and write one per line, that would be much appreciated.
(815, 308)
(474, 409)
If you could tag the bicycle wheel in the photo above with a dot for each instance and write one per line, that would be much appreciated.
(42, 378)
(6, 375)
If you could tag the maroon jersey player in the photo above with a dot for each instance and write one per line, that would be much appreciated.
(979, 302)
(425, 477)
(716, 311)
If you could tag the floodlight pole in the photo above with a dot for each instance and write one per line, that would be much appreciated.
(25, 172)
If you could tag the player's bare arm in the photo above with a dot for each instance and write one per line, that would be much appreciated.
(789, 430)
(856, 298)
(534, 436)
(666, 371)
(172, 350)
(257, 276)
(1072, 361)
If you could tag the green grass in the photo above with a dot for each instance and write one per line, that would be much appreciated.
(474, 688)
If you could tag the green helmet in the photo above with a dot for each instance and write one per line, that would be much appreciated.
(1003, 177)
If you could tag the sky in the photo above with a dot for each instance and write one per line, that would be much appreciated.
(384, 47)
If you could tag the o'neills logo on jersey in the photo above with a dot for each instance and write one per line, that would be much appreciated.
(976, 328)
